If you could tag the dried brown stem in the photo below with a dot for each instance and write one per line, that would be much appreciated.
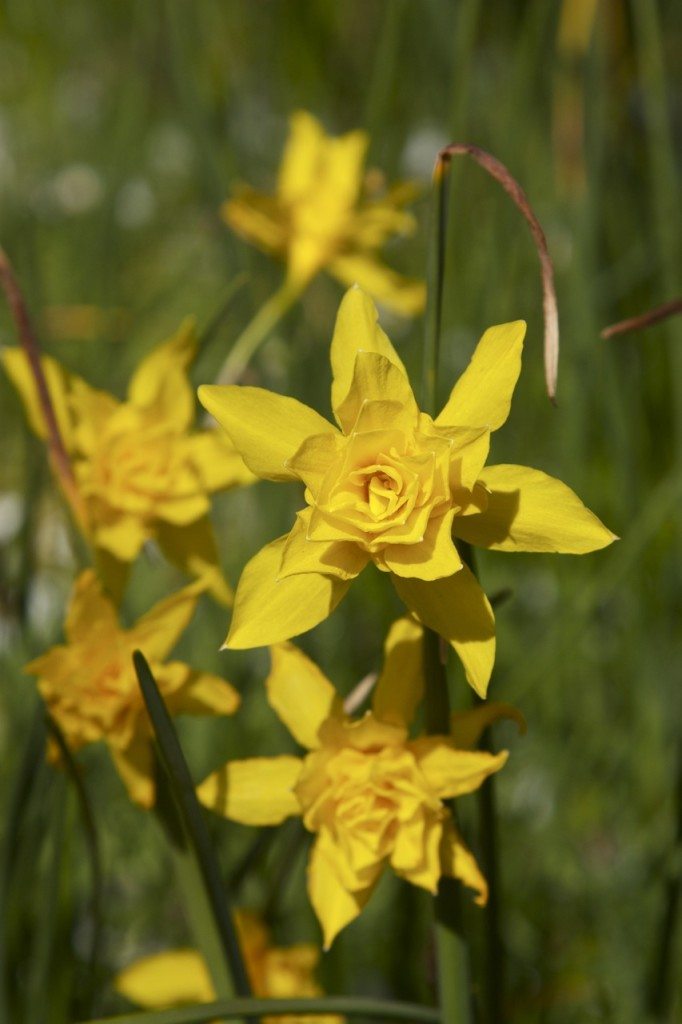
(498, 171)
(638, 323)
(59, 458)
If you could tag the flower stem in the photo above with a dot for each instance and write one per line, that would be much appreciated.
(255, 333)
(453, 956)
(454, 987)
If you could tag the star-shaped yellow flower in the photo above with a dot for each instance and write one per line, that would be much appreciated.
(372, 796)
(391, 485)
(141, 472)
(317, 219)
(91, 690)
(180, 976)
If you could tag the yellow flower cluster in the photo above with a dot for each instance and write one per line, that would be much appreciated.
(180, 976)
(317, 220)
(391, 485)
(386, 484)
(372, 796)
(140, 470)
(90, 687)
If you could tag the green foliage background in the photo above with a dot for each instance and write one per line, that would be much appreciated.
(122, 127)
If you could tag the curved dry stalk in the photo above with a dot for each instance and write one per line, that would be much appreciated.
(638, 323)
(499, 172)
(59, 457)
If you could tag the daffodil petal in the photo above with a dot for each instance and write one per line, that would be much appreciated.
(90, 611)
(333, 904)
(135, 765)
(356, 330)
(457, 861)
(457, 609)
(268, 610)
(416, 852)
(256, 217)
(267, 429)
(159, 629)
(194, 550)
(400, 686)
(217, 462)
(404, 295)
(166, 979)
(376, 378)
(300, 694)
(467, 727)
(314, 457)
(58, 381)
(451, 772)
(342, 559)
(258, 791)
(433, 558)
(204, 694)
(530, 511)
(122, 535)
(313, 161)
(160, 381)
(483, 394)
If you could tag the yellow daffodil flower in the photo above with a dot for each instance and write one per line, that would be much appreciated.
(391, 486)
(91, 690)
(317, 219)
(372, 796)
(180, 976)
(141, 472)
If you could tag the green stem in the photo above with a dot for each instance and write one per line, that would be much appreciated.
(487, 816)
(347, 1006)
(255, 333)
(454, 987)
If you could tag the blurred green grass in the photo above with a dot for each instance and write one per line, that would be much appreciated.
(122, 127)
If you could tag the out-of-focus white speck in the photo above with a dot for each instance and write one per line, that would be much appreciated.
(77, 188)
(135, 203)
(420, 151)
(11, 515)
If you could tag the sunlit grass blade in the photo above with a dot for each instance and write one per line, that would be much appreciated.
(200, 861)
(375, 1009)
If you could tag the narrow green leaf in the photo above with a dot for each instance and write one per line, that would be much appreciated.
(200, 859)
(86, 997)
(33, 757)
(47, 907)
(347, 1006)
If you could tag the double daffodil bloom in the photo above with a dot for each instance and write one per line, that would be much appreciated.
(141, 472)
(180, 976)
(318, 220)
(392, 486)
(372, 796)
(91, 690)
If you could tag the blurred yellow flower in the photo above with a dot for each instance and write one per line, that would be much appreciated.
(140, 471)
(391, 486)
(318, 220)
(91, 690)
(373, 796)
(181, 976)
